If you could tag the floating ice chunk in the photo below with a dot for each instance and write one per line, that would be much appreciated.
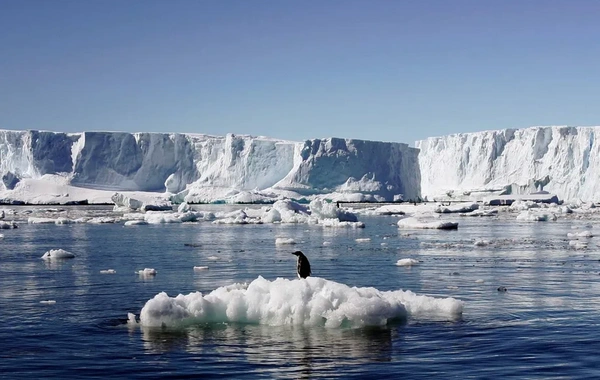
(283, 241)
(416, 224)
(159, 217)
(102, 220)
(481, 243)
(326, 243)
(461, 207)
(147, 272)
(131, 321)
(536, 216)
(48, 302)
(133, 216)
(200, 268)
(65, 221)
(362, 240)
(108, 271)
(57, 254)
(135, 223)
(329, 222)
(523, 205)
(123, 201)
(184, 207)
(324, 210)
(479, 281)
(213, 258)
(407, 262)
(481, 212)
(1, 236)
(311, 301)
(582, 234)
(577, 244)
(32, 220)
(286, 211)
(7, 225)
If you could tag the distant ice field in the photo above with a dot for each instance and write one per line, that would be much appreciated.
(499, 296)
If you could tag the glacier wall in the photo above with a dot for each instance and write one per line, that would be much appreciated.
(212, 166)
(561, 160)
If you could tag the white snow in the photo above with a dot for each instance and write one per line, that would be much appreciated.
(108, 271)
(55, 254)
(311, 301)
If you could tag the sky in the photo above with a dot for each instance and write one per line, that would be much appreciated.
(386, 70)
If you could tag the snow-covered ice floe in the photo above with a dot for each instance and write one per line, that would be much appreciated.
(311, 302)
(55, 254)
(416, 224)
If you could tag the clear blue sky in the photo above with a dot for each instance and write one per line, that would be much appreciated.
(391, 70)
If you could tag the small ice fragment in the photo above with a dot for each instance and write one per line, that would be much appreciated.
(54, 254)
(326, 243)
(135, 223)
(131, 321)
(212, 258)
(481, 243)
(147, 272)
(407, 262)
(282, 241)
(48, 302)
(363, 240)
(200, 268)
(479, 281)
(108, 271)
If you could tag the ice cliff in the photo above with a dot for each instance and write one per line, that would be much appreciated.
(202, 168)
(561, 160)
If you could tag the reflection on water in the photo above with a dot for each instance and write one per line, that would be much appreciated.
(293, 350)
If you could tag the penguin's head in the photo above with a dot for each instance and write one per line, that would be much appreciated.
(298, 253)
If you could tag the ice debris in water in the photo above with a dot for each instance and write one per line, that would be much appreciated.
(108, 271)
(7, 225)
(284, 241)
(147, 272)
(48, 302)
(582, 234)
(311, 301)
(200, 268)
(536, 216)
(416, 224)
(407, 262)
(57, 254)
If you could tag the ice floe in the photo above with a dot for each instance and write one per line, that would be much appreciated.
(312, 301)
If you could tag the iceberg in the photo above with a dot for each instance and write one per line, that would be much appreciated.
(560, 160)
(41, 167)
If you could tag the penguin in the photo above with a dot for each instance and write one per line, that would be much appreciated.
(303, 265)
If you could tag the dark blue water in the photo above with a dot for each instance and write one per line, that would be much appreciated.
(544, 326)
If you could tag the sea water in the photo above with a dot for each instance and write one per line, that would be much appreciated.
(531, 300)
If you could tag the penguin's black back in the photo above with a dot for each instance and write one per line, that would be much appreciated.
(303, 266)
